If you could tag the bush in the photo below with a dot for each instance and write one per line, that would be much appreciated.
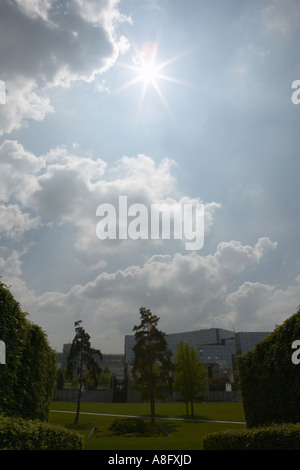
(27, 379)
(128, 426)
(269, 381)
(273, 437)
(19, 434)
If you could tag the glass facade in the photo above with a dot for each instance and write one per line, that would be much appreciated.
(114, 362)
(217, 347)
(245, 341)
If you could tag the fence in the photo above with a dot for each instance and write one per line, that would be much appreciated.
(133, 396)
(105, 396)
(108, 396)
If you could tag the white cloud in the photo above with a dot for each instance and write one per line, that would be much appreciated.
(24, 102)
(34, 8)
(19, 170)
(56, 45)
(260, 307)
(280, 17)
(14, 223)
(62, 188)
(186, 290)
(60, 192)
(11, 272)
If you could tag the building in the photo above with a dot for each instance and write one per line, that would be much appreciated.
(217, 347)
(63, 356)
(245, 341)
(113, 362)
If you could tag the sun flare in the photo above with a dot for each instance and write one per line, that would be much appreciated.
(145, 64)
(148, 71)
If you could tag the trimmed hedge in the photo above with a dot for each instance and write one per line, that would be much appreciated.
(269, 381)
(27, 378)
(275, 437)
(124, 426)
(20, 434)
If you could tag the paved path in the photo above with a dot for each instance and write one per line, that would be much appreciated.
(157, 417)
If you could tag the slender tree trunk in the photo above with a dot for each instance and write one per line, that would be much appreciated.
(152, 404)
(192, 408)
(191, 393)
(187, 407)
(79, 390)
(78, 404)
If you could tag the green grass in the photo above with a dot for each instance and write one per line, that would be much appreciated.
(184, 433)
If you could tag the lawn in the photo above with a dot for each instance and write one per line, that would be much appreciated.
(182, 432)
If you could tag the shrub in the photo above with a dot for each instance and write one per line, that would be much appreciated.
(273, 437)
(20, 434)
(269, 381)
(27, 379)
(128, 426)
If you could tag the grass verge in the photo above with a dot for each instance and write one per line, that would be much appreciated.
(180, 432)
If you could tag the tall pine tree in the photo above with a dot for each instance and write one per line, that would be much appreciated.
(152, 365)
(82, 354)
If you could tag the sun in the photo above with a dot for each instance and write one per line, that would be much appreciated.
(145, 64)
(149, 71)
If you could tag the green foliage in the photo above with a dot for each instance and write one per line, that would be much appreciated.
(105, 379)
(269, 381)
(60, 379)
(20, 434)
(128, 426)
(189, 374)
(152, 359)
(27, 378)
(218, 383)
(152, 365)
(273, 437)
(131, 427)
(81, 353)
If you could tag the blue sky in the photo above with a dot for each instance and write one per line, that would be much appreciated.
(219, 128)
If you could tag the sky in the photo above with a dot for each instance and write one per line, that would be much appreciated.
(161, 101)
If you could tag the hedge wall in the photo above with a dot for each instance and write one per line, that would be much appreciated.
(19, 434)
(276, 437)
(269, 381)
(27, 378)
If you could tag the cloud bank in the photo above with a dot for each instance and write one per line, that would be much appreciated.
(49, 44)
(58, 190)
(50, 255)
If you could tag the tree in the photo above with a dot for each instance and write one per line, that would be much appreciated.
(152, 363)
(269, 377)
(106, 378)
(27, 378)
(82, 354)
(60, 379)
(189, 374)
